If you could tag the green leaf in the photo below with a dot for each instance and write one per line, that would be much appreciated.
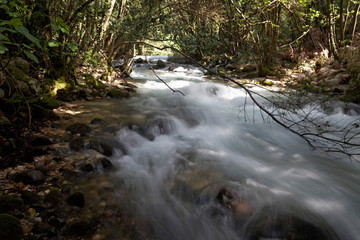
(24, 31)
(2, 23)
(2, 29)
(3, 37)
(15, 22)
(31, 56)
(72, 46)
(3, 49)
(53, 43)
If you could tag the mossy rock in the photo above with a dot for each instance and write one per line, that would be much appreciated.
(17, 73)
(49, 103)
(10, 228)
(118, 93)
(93, 82)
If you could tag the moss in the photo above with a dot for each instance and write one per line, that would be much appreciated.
(17, 73)
(267, 83)
(49, 103)
(268, 71)
(59, 84)
(10, 228)
(118, 93)
(93, 82)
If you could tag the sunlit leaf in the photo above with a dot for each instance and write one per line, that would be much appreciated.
(53, 43)
(31, 56)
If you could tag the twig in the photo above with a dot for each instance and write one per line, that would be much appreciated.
(152, 69)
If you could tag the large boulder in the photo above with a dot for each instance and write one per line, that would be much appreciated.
(160, 64)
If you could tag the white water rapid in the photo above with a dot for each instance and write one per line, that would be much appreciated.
(179, 152)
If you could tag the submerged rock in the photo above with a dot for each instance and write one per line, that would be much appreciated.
(106, 164)
(77, 143)
(88, 167)
(97, 121)
(79, 128)
(76, 199)
(272, 224)
(41, 141)
(101, 147)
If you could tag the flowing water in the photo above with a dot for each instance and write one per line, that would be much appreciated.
(179, 152)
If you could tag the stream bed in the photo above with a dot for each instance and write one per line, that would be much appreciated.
(193, 167)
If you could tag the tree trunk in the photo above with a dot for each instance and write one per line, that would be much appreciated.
(355, 23)
(107, 19)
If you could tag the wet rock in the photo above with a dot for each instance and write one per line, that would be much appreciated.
(10, 203)
(54, 197)
(159, 126)
(78, 229)
(102, 148)
(30, 197)
(351, 109)
(139, 60)
(44, 229)
(159, 64)
(270, 224)
(76, 199)
(79, 128)
(56, 222)
(96, 121)
(77, 143)
(10, 228)
(41, 141)
(105, 164)
(31, 177)
(46, 164)
(88, 167)
(240, 206)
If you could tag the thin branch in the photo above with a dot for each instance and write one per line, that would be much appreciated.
(152, 69)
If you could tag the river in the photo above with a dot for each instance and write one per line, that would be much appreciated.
(178, 153)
